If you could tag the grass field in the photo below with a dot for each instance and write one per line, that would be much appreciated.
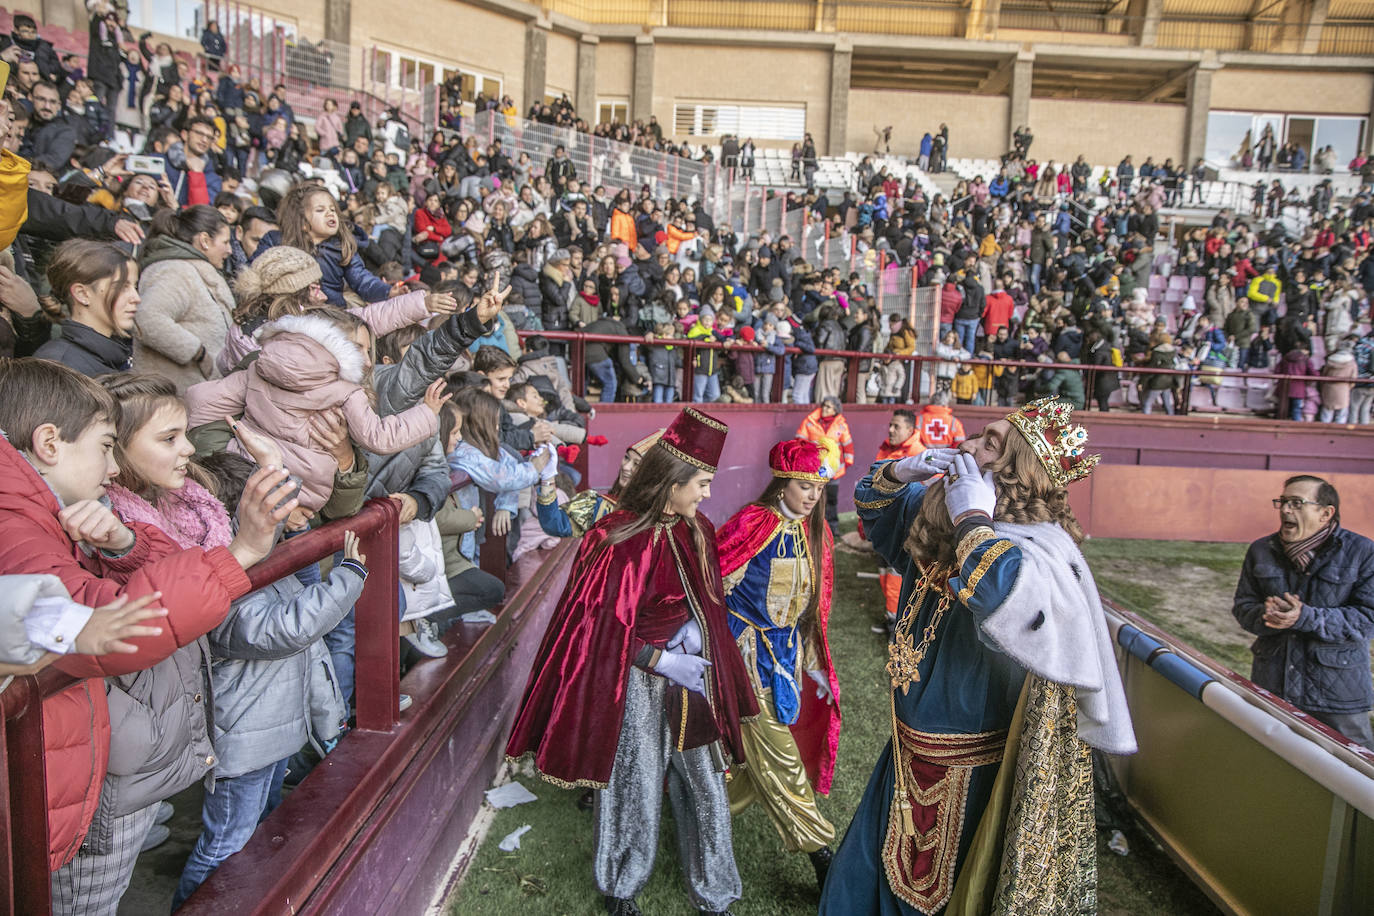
(551, 872)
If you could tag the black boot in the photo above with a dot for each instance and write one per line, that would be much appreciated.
(622, 906)
(820, 860)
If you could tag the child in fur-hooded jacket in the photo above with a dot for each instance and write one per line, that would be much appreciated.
(307, 364)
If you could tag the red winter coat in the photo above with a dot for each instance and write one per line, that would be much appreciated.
(197, 587)
(435, 224)
(998, 313)
(950, 301)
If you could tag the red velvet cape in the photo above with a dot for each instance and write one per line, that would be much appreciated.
(574, 702)
(817, 729)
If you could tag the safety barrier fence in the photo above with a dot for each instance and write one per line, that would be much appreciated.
(922, 370)
(599, 161)
(1225, 766)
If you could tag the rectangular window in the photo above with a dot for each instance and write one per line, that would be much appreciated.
(182, 18)
(612, 111)
(764, 122)
(1229, 133)
(381, 66)
(406, 71)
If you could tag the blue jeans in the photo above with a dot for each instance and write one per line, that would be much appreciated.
(1036, 270)
(1296, 406)
(705, 388)
(801, 388)
(663, 394)
(967, 329)
(340, 642)
(229, 815)
(604, 372)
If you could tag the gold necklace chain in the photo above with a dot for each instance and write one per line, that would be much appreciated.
(903, 667)
(904, 658)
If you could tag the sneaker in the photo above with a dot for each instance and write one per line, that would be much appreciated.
(425, 639)
(164, 813)
(155, 838)
(404, 704)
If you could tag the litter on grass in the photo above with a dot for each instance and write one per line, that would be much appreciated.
(510, 795)
(512, 840)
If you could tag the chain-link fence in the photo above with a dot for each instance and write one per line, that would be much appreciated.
(271, 52)
(598, 161)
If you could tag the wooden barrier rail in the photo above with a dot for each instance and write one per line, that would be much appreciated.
(24, 876)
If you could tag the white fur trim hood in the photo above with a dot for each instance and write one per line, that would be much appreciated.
(326, 334)
(1053, 625)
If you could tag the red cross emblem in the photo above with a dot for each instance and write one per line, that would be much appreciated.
(936, 431)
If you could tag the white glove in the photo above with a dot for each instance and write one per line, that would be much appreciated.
(684, 670)
(822, 687)
(968, 490)
(687, 639)
(550, 470)
(923, 466)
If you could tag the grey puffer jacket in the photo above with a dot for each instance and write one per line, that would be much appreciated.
(1321, 663)
(421, 470)
(269, 658)
(159, 737)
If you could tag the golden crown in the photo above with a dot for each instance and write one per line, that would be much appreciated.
(1059, 446)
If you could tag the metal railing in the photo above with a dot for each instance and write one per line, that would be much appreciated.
(920, 382)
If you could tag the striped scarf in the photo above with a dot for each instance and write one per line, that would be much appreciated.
(1301, 552)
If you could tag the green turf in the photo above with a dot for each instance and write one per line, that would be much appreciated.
(1144, 589)
(551, 873)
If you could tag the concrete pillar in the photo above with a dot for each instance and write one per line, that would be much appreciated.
(1144, 21)
(66, 14)
(338, 21)
(586, 78)
(536, 63)
(1018, 112)
(338, 26)
(1198, 103)
(982, 18)
(642, 96)
(1313, 21)
(837, 131)
(1368, 133)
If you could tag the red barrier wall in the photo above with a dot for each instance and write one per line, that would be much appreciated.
(1184, 478)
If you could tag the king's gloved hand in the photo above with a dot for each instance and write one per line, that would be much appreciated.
(687, 639)
(967, 489)
(822, 682)
(923, 466)
(684, 670)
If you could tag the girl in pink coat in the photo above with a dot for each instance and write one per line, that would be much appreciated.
(310, 363)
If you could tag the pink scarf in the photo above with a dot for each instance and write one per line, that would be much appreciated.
(190, 516)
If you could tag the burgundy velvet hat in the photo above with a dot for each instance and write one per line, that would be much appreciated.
(800, 459)
(696, 439)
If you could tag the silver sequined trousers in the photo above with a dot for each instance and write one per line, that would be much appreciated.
(629, 808)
